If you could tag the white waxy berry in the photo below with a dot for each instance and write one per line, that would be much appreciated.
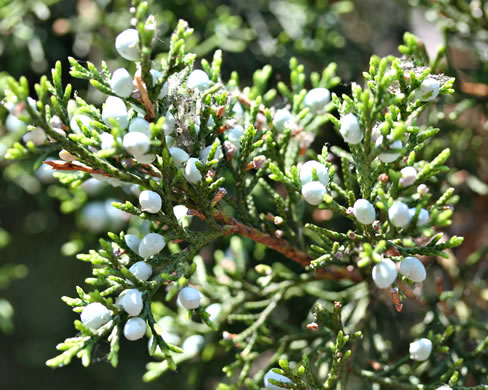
(131, 301)
(169, 123)
(421, 349)
(151, 245)
(399, 214)
(180, 157)
(95, 315)
(282, 119)
(193, 344)
(121, 83)
(422, 190)
(350, 129)
(135, 328)
(206, 152)
(198, 79)
(127, 44)
(384, 273)
(191, 171)
(413, 269)
(234, 135)
(314, 192)
(189, 298)
(66, 156)
(140, 125)
(150, 201)
(444, 387)
(12, 123)
(364, 212)
(390, 155)
(108, 141)
(316, 99)
(277, 377)
(428, 90)
(141, 270)
(136, 143)
(306, 173)
(37, 136)
(423, 217)
(132, 242)
(409, 175)
(116, 110)
(156, 76)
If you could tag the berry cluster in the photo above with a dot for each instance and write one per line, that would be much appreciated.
(239, 161)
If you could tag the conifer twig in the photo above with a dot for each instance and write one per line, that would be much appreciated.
(145, 98)
(74, 166)
(283, 247)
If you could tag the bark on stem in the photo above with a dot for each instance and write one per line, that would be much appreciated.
(145, 98)
(271, 242)
(275, 243)
(283, 247)
(61, 165)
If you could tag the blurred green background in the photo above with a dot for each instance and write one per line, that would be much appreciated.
(34, 34)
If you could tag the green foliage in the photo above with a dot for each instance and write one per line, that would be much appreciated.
(250, 186)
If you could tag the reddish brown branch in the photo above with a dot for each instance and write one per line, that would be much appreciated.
(272, 242)
(277, 244)
(283, 247)
(60, 165)
(145, 97)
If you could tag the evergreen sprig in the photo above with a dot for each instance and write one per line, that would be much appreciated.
(247, 142)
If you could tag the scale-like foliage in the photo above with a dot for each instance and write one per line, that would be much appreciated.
(209, 159)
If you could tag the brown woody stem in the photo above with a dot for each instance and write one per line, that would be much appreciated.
(145, 97)
(272, 242)
(73, 166)
(283, 247)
